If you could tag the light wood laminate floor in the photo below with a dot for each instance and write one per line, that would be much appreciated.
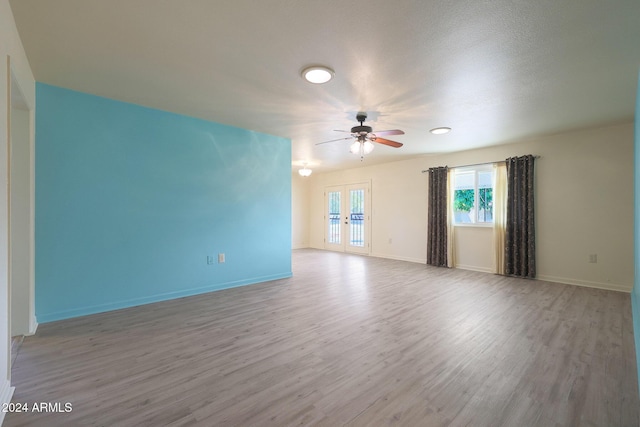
(349, 340)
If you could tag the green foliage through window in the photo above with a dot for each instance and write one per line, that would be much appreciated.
(463, 200)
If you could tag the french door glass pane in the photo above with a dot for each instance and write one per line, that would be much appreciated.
(334, 217)
(356, 220)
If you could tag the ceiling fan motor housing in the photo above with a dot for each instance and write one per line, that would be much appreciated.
(362, 130)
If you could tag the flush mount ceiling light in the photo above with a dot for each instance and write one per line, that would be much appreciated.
(440, 131)
(304, 171)
(318, 74)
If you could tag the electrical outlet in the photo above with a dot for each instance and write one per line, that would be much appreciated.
(220, 258)
(593, 258)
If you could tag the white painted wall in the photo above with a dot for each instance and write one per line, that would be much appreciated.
(398, 207)
(584, 205)
(10, 46)
(299, 211)
(473, 248)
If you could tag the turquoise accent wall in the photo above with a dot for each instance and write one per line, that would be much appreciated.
(131, 201)
(635, 293)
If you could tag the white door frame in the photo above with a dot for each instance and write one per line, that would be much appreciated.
(21, 264)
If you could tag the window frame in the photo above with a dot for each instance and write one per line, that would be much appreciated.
(489, 167)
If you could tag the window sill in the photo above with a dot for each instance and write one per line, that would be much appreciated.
(474, 225)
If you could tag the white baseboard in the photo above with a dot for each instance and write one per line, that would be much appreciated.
(564, 280)
(33, 326)
(6, 393)
(555, 279)
(586, 283)
(399, 258)
(473, 268)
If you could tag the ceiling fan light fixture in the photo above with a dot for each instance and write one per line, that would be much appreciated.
(361, 147)
(440, 130)
(355, 147)
(318, 74)
(367, 147)
(365, 138)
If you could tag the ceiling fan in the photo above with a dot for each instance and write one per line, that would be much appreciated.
(364, 137)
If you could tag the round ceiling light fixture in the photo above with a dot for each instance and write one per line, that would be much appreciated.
(440, 131)
(305, 171)
(318, 74)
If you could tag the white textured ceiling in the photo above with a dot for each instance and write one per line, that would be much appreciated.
(495, 71)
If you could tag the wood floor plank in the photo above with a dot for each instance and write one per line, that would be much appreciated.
(348, 340)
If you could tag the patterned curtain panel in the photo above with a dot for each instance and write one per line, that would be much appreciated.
(520, 240)
(437, 227)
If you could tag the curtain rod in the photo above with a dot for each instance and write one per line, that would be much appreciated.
(477, 164)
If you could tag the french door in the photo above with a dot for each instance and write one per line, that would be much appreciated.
(347, 218)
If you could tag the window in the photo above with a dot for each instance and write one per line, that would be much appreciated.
(473, 195)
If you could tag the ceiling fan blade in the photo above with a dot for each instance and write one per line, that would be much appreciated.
(387, 142)
(389, 132)
(334, 140)
(338, 130)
